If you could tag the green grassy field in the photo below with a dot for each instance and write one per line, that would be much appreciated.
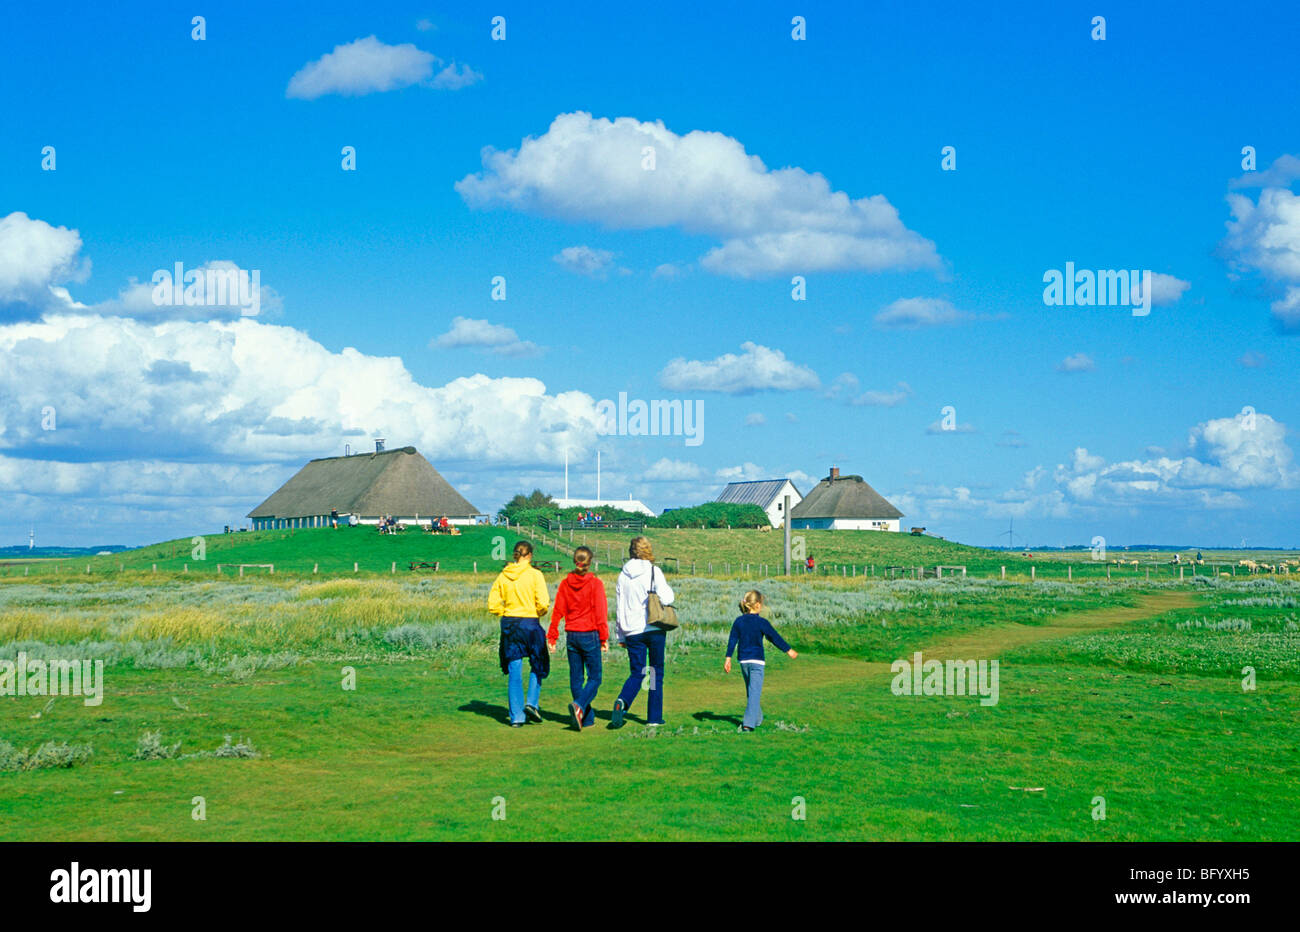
(747, 552)
(298, 551)
(1122, 690)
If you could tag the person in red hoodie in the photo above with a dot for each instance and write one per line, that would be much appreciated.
(580, 601)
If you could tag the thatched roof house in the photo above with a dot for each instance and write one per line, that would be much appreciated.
(398, 482)
(845, 503)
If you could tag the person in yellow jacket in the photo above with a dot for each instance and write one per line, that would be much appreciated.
(519, 598)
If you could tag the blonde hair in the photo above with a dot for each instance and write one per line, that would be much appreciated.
(752, 601)
(639, 549)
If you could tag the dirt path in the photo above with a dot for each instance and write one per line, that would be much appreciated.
(990, 642)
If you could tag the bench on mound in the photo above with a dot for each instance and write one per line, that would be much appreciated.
(422, 565)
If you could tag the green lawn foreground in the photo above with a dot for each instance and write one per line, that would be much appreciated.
(419, 751)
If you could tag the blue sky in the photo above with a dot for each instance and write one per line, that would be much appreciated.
(1124, 153)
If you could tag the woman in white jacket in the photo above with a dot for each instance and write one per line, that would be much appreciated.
(644, 643)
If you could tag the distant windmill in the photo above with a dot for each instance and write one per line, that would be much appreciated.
(31, 539)
(1009, 534)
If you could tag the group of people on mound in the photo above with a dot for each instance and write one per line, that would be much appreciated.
(520, 599)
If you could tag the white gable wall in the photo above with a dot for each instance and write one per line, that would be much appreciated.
(776, 510)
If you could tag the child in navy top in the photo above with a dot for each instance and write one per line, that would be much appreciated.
(747, 633)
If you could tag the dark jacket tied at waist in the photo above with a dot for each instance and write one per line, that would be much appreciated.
(524, 637)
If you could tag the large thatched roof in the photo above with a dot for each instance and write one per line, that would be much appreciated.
(394, 482)
(844, 497)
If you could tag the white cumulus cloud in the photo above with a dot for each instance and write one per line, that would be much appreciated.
(367, 66)
(594, 263)
(1165, 289)
(770, 221)
(917, 313)
(36, 258)
(757, 368)
(468, 332)
(246, 391)
(1264, 237)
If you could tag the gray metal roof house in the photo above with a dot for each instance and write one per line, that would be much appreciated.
(398, 482)
(768, 494)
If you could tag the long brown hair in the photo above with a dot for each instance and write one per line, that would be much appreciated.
(582, 559)
(523, 549)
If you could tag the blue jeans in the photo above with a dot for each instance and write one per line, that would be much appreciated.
(583, 648)
(515, 690)
(645, 660)
(753, 676)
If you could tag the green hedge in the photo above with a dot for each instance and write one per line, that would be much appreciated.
(709, 515)
(712, 514)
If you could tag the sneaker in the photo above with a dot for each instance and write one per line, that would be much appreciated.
(532, 713)
(616, 717)
(744, 728)
(576, 711)
(653, 724)
(516, 724)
